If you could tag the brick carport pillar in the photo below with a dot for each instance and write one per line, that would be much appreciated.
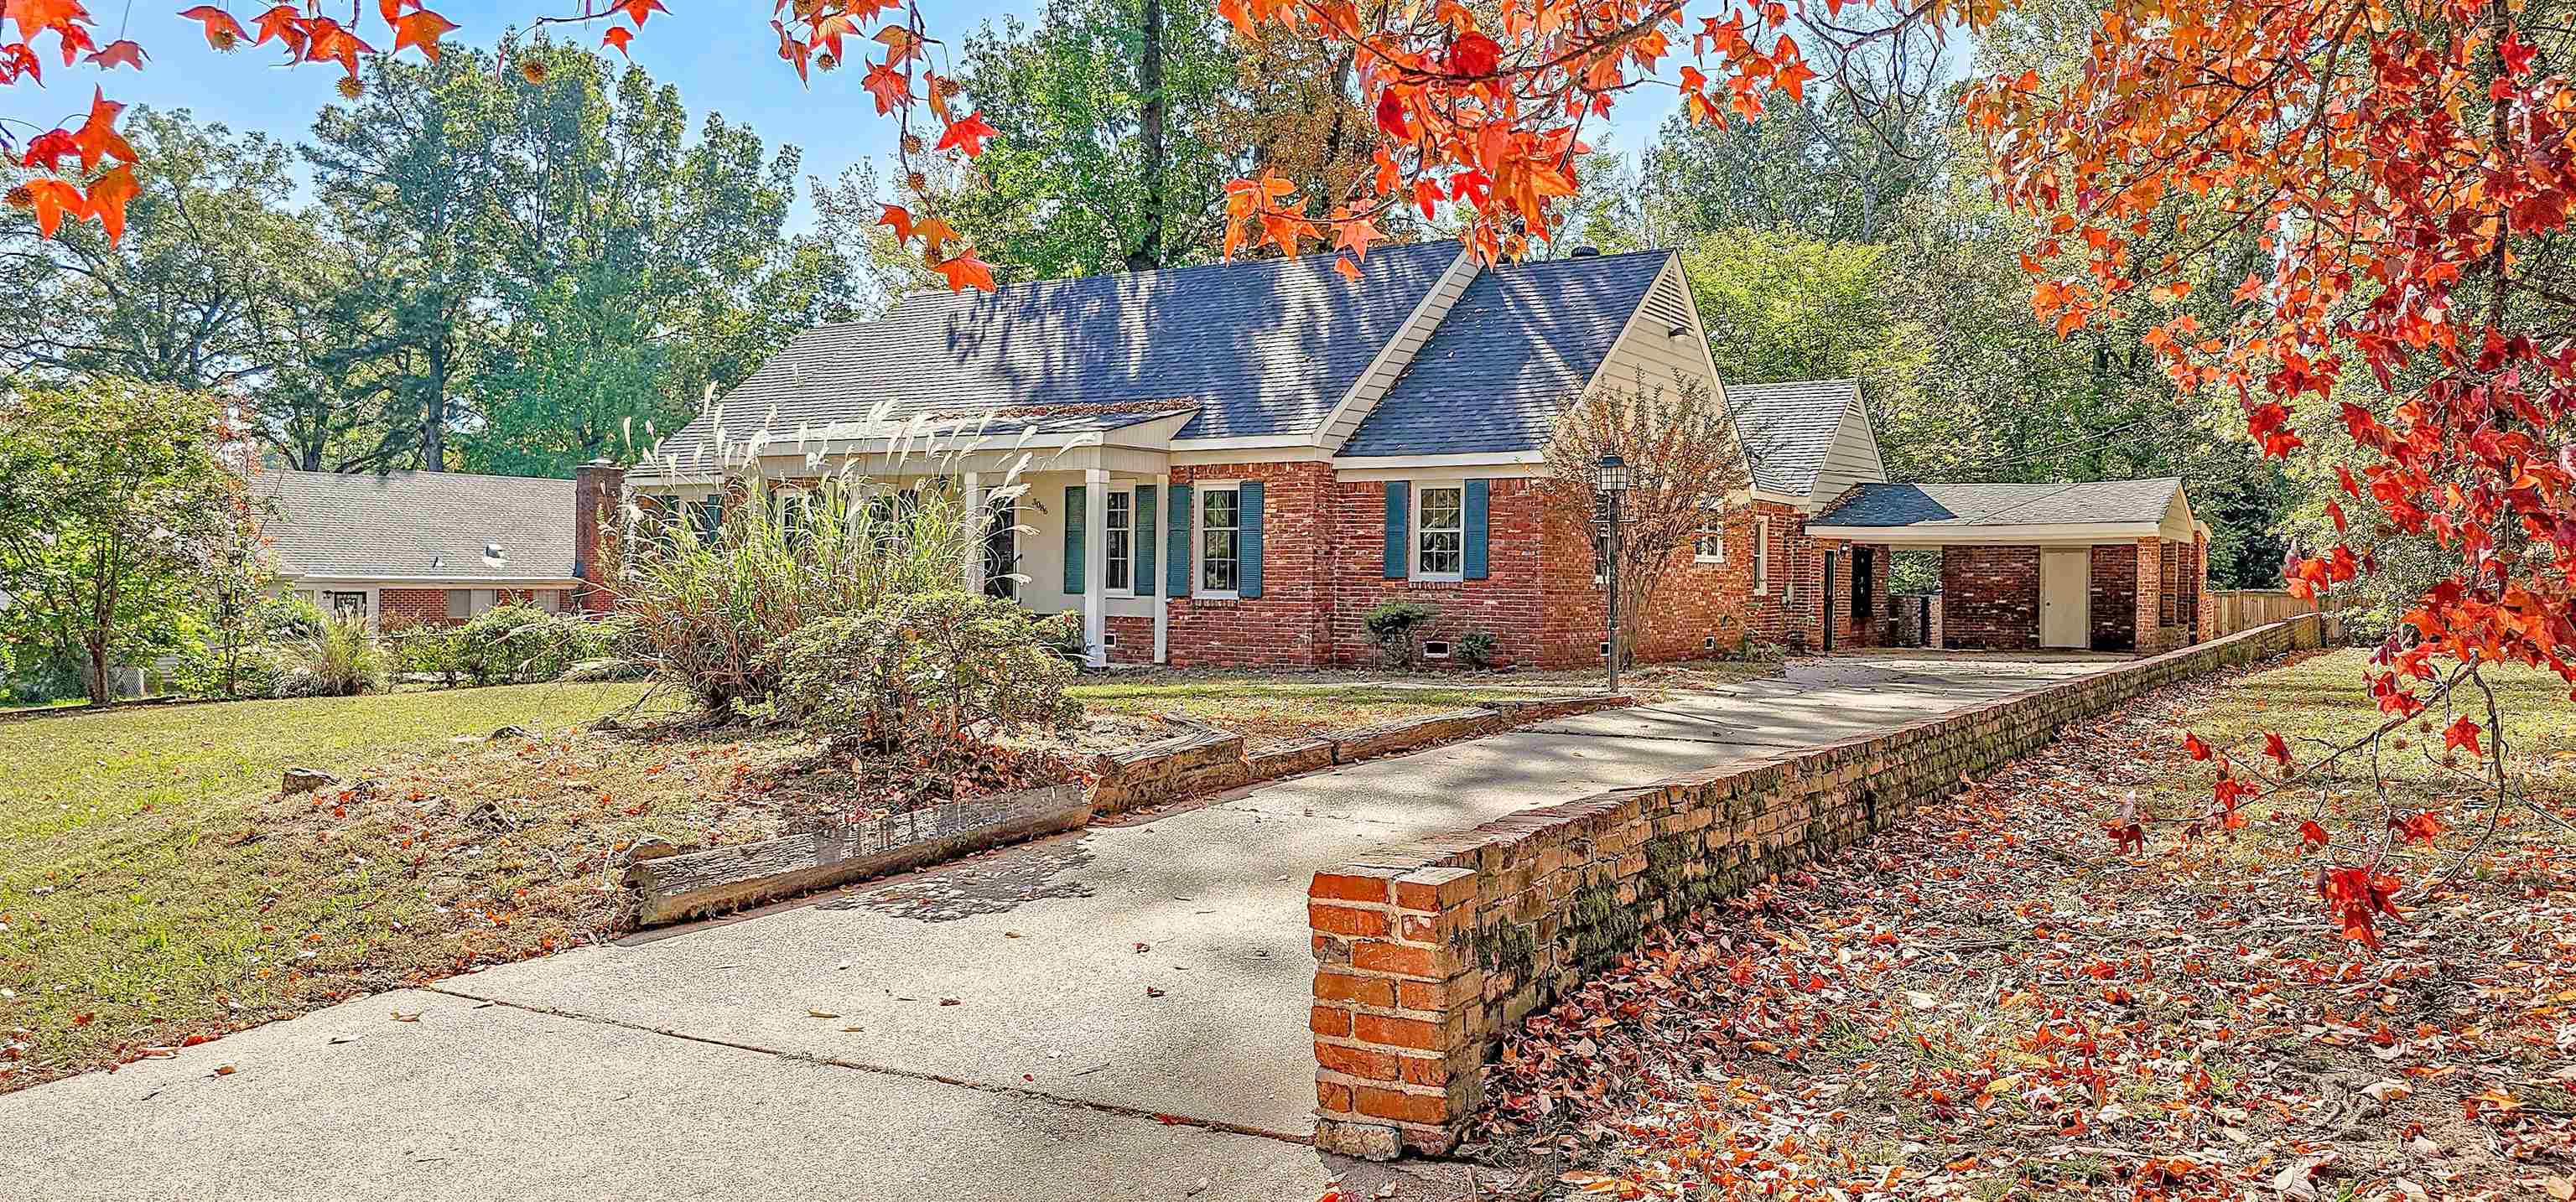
(2150, 598)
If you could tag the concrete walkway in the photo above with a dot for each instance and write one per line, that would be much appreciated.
(1115, 1013)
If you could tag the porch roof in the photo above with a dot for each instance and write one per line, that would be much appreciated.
(1921, 514)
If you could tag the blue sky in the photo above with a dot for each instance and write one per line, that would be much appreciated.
(721, 56)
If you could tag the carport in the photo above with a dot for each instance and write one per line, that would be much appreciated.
(2107, 565)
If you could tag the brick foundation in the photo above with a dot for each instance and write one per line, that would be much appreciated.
(1427, 952)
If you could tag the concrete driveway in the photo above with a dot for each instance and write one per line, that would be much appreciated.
(1115, 1013)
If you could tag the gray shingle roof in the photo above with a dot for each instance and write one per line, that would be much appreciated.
(1522, 339)
(1969, 505)
(1266, 347)
(1788, 428)
(419, 524)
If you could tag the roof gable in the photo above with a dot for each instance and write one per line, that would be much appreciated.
(1788, 429)
(1265, 347)
(427, 525)
(1522, 339)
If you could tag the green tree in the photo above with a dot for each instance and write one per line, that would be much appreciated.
(115, 507)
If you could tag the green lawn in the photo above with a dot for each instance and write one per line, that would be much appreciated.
(150, 890)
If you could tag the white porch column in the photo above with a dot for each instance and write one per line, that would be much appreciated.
(1095, 564)
(974, 534)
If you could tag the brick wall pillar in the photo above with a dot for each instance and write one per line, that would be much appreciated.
(1398, 1016)
(2151, 604)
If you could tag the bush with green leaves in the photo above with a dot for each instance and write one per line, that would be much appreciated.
(432, 649)
(519, 642)
(1479, 648)
(290, 618)
(935, 669)
(714, 608)
(1396, 627)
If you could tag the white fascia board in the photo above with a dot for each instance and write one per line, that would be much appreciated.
(1361, 398)
(1517, 461)
(2071, 534)
(447, 581)
(1805, 504)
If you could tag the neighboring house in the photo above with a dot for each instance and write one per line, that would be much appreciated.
(1231, 464)
(409, 547)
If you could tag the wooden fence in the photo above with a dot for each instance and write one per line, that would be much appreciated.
(2245, 609)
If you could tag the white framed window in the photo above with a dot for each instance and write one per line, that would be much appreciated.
(1710, 546)
(1119, 523)
(1440, 532)
(1761, 557)
(1220, 550)
(345, 605)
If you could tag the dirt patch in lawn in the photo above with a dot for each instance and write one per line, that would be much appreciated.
(1988, 1002)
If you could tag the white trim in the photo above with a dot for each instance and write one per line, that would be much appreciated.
(1801, 504)
(1129, 491)
(1612, 352)
(1761, 555)
(1397, 467)
(1358, 401)
(1238, 442)
(1708, 515)
(1416, 529)
(2071, 533)
(1095, 565)
(297, 580)
(1199, 490)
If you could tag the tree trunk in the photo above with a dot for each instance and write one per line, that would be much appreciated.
(433, 408)
(102, 691)
(1148, 253)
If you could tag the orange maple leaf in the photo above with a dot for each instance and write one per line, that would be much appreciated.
(967, 135)
(618, 36)
(107, 197)
(222, 32)
(53, 199)
(901, 219)
(97, 136)
(966, 271)
(116, 54)
(422, 29)
(285, 22)
(638, 10)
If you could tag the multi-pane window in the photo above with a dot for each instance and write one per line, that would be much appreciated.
(1761, 556)
(1710, 547)
(1121, 525)
(1220, 540)
(1441, 542)
(346, 605)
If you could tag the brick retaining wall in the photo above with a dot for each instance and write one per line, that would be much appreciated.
(1427, 952)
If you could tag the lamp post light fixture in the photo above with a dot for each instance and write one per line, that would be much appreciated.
(1610, 479)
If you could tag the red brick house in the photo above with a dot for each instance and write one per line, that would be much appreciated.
(1231, 464)
(408, 547)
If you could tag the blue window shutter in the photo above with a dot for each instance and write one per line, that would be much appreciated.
(1076, 500)
(1399, 515)
(1143, 576)
(1478, 498)
(1177, 572)
(1248, 516)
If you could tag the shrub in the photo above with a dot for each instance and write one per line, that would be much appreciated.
(289, 619)
(1396, 627)
(1478, 648)
(343, 661)
(939, 668)
(257, 670)
(713, 612)
(427, 649)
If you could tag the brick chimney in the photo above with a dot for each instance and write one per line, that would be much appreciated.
(598, 491)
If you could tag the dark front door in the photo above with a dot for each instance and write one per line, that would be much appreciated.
(1828, 599)
(1864, 602)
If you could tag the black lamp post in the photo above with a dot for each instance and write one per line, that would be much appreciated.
(1610, 477)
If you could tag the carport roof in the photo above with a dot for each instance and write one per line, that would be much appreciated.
(1921, 507)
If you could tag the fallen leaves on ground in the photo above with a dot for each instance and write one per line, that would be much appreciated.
(1987, 1000)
